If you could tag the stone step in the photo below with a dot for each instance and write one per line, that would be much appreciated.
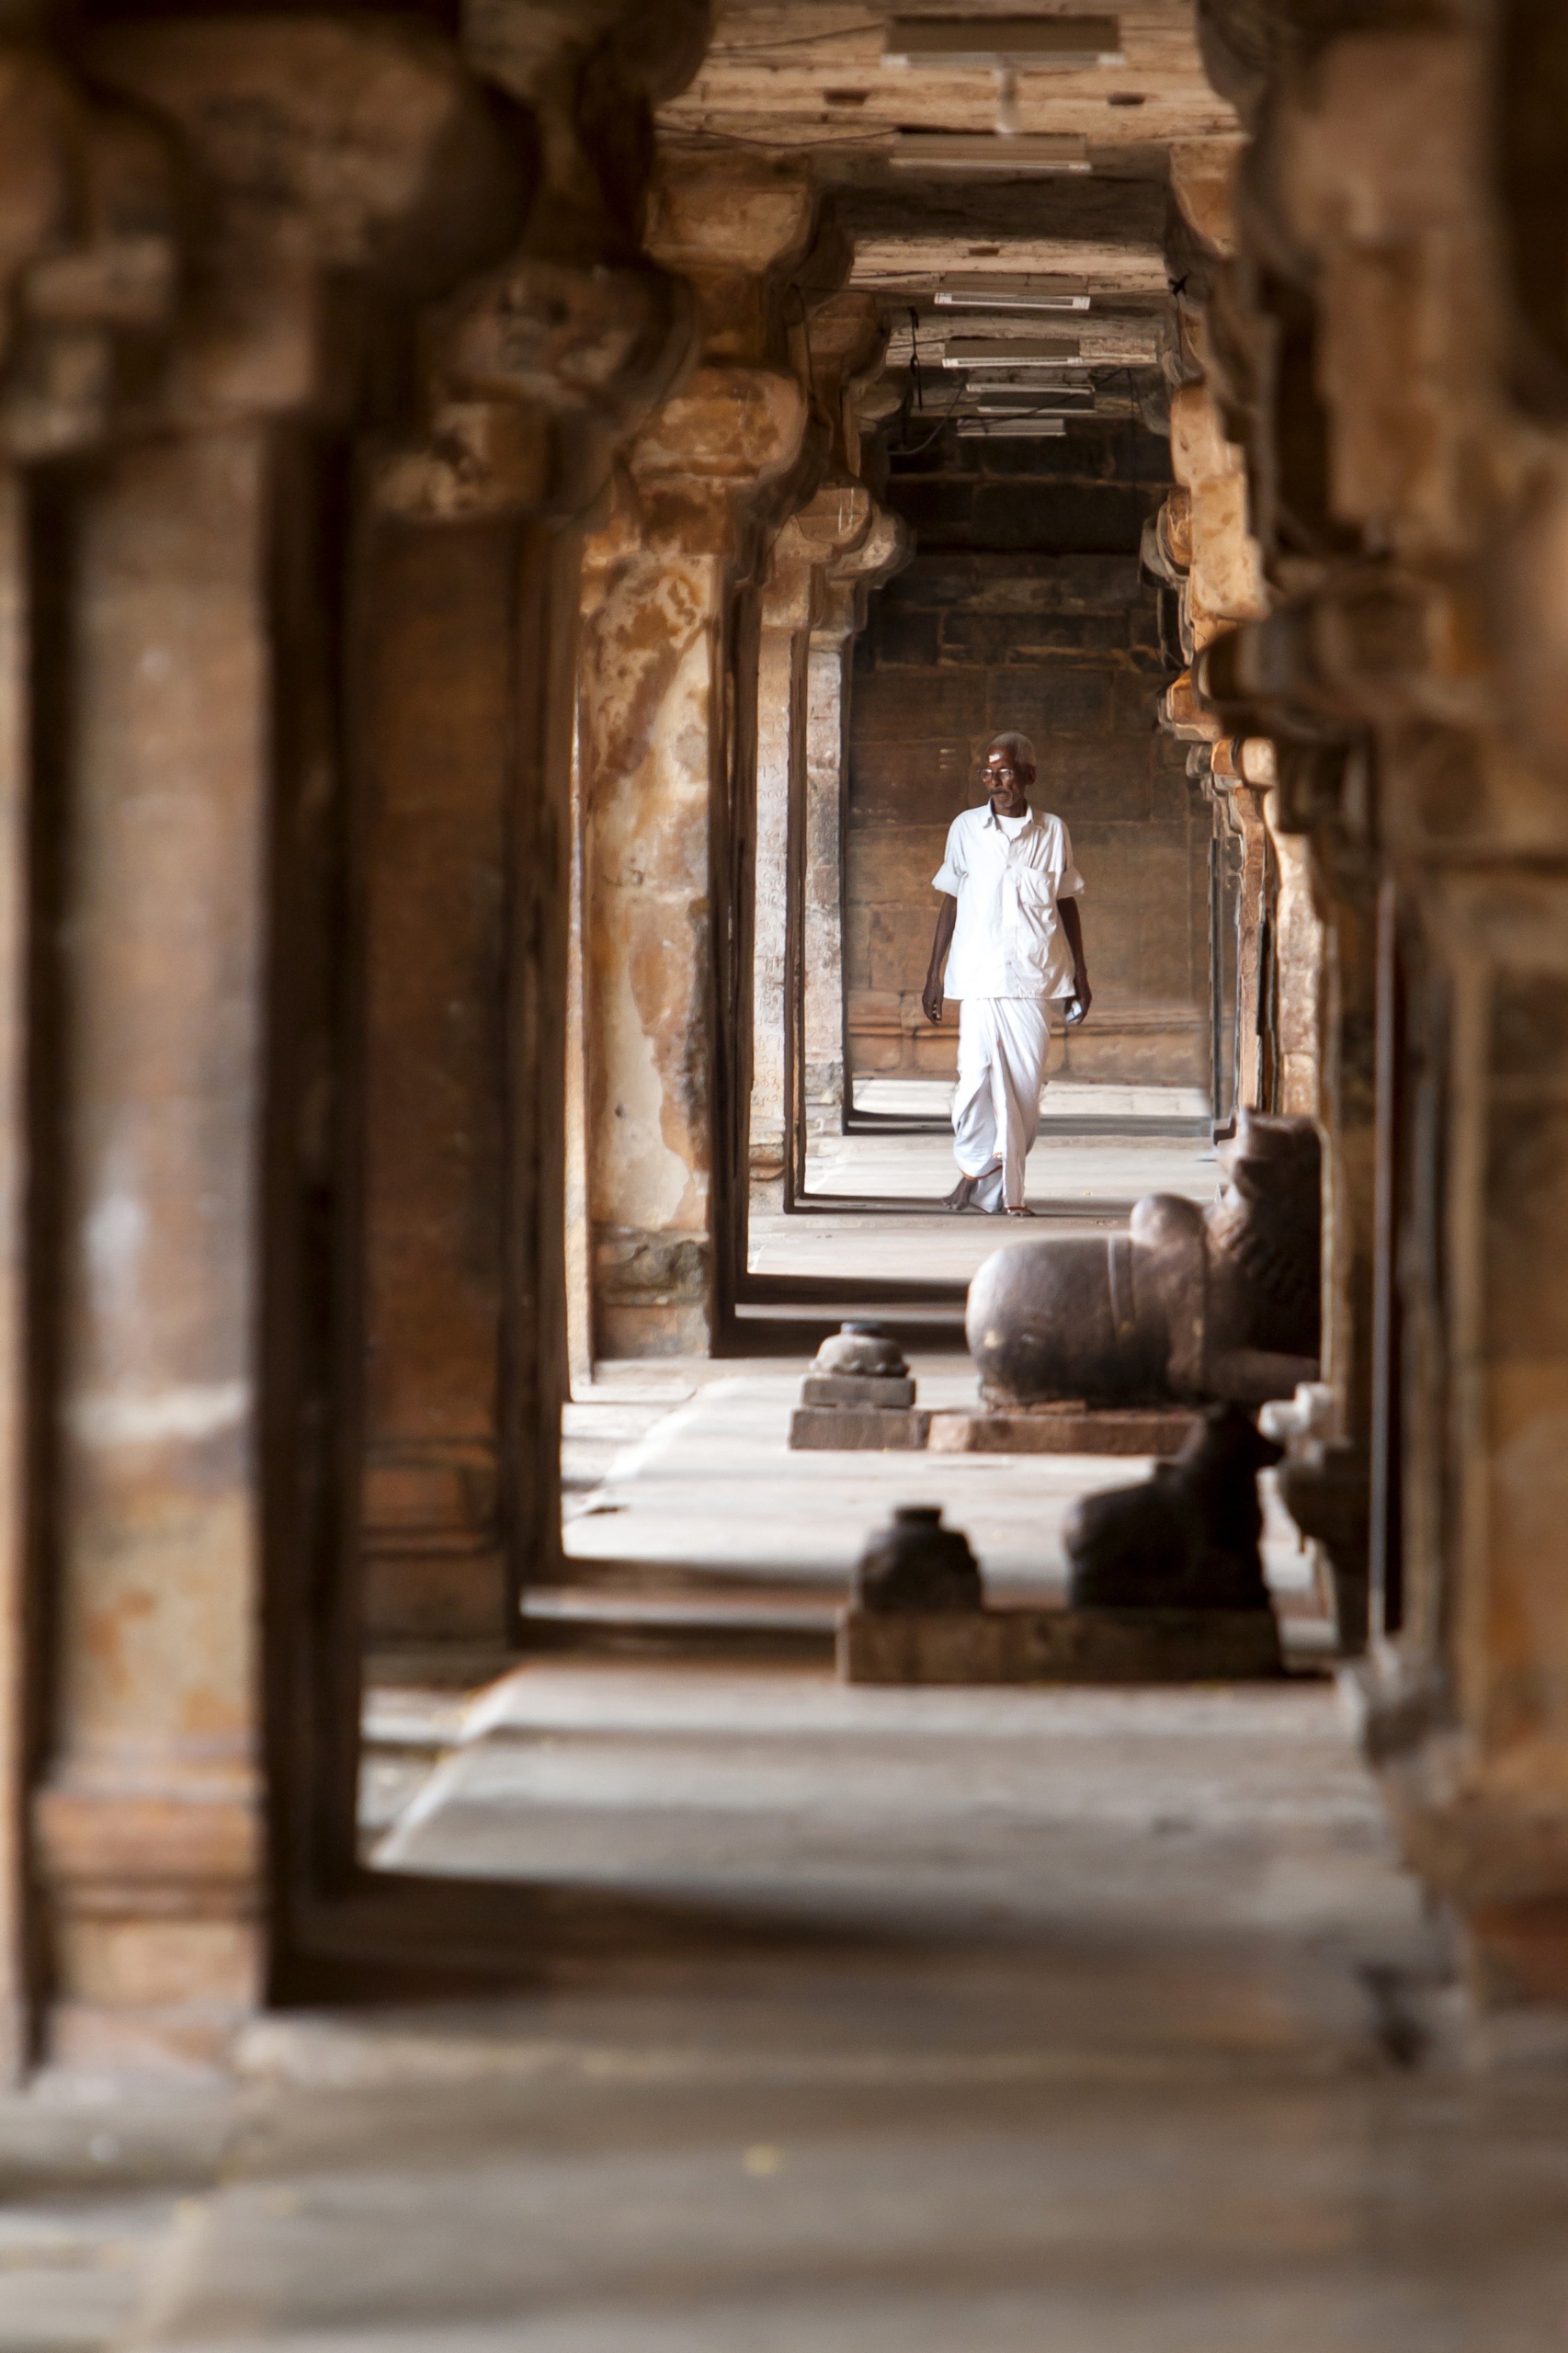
(718, 1623)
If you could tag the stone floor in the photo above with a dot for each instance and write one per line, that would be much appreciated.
(1071, 2022)
(871, 1209)
(1017, 2021)
(707, 1493)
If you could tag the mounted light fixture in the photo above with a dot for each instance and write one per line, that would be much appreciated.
(1032, 402)
(1007, 45)
(1011, 351)
(1002, 293)
(1012, 428)
(1022, 155)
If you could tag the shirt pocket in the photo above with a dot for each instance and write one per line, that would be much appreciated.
(1037, 895)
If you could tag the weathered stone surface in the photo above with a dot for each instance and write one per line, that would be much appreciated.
(840, 1427)
(855, 1388)
(662, 580)
(150, 1825)
(1058, 1646)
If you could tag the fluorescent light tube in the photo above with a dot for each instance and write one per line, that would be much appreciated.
(1038, 429)
(1007, 293)
(1064, 43)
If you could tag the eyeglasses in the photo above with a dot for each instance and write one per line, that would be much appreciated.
(1000, 774)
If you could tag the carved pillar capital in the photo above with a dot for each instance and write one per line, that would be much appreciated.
(814, 539)
(89, 260)
(318, 149)
(738, 228)
(885, 548)
(703, 457)
(846, 338)
(539, 372)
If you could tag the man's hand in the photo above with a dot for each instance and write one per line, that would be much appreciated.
(1081, 998)
(931, 998)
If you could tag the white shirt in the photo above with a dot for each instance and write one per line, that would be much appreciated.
(1007, 875)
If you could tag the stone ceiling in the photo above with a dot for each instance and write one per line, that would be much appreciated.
(808, 79)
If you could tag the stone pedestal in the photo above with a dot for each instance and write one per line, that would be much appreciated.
(1058, 1646)
(1063, 1430)
(877, 1429)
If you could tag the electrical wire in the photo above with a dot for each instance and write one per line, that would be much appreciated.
(695, 133)
(796, 41)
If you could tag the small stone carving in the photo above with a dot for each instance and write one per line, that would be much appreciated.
(916, 1564)
(1188, 1304)
(1326, 1485)
(859, 1392)
(1186, 1539)
(861, 1364)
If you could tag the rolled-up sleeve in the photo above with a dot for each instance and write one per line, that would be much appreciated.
(1070, 883)
(951, 871)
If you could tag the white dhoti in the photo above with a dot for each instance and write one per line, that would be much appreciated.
(1002, 1050)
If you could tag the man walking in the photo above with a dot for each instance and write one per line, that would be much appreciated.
(1010, 918)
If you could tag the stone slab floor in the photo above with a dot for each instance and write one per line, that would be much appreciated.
(1095, 2022)
(1008, 2022)
(703, 1492)
(871, 1209)
(933, 2023)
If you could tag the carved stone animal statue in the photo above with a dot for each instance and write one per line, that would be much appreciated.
(1188, 1304)
(1187, 1539)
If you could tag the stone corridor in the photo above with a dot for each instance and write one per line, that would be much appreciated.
(522, 524)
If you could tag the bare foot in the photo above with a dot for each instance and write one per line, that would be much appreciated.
(963, 1192)
(1023, 1210)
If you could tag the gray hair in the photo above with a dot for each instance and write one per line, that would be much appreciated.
(1018, 748)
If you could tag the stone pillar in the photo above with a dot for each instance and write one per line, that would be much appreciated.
(848, 581)
(154, 1805)
(88, 269)
(1299, 969)
(1416, 678)
(14, 1662)
(839, 539)
(666, 748)
(828, 661)
(471, 571)
(181, 754)
(787, 604)
(578, 1254)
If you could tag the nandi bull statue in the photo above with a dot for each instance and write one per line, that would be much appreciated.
(1188, 1303)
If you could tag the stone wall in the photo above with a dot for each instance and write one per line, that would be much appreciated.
(1024, 609)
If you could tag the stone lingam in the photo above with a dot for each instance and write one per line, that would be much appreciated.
(859, 1392)
(1189, 1304)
